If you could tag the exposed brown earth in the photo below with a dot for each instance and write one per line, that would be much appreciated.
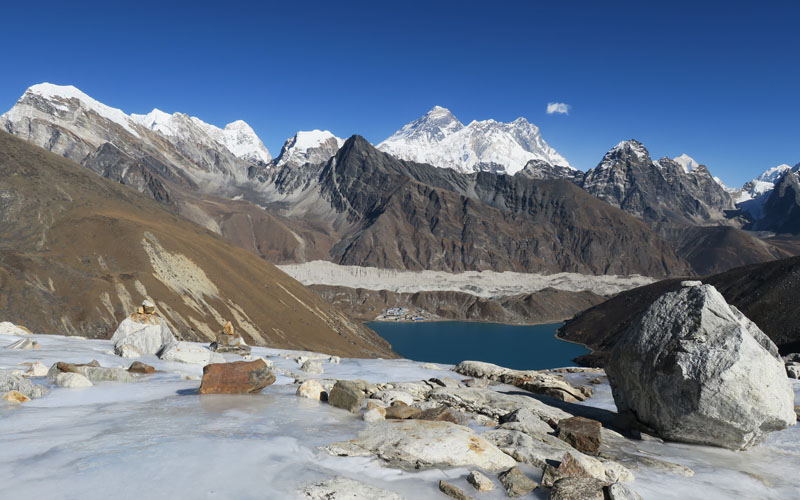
(79, 252)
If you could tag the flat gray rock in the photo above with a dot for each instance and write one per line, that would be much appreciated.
(342, 488)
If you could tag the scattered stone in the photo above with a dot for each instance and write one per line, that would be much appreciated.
(583, 434)
(148, 307)
(142, 334)
(390, 396)
(430, 366)
(686, 369)
(479, 481)
(516, 483)
(568, 467)
(619, 491)
(8, 328)
(334, 360)
(72, 380)
(577, 488)
(480, 383)
(15, 397)
(228, 342)
(139, 367)
(453, 491)
(543, 449)
(446, 382)
(524, 420)
(311, 389)
(402, 412)
(312, 367)
(375, 414)
(494, 404)
(23, 344)
(438, 414)
(191, 353)
(92, 371)
(342, 488)
(419, 443)
(792, 358)
(239, 377)
(793, 369)
(533, 381)
(37, 369)
(11, 382)
(347, 394)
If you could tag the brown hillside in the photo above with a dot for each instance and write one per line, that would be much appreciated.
(78, 252)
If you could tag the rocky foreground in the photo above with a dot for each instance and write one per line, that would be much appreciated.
(84, 421)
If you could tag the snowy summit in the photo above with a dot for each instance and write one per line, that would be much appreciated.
(440, 139)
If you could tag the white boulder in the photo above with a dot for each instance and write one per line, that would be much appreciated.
(8, 328)
(190, 353)
(72, 380)
(141, 335)
(422, 443)
(310, 389)
(696, 370)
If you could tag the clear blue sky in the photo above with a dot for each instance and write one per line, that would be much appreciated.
(717, 80)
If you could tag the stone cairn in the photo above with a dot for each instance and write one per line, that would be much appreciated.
(228, 342)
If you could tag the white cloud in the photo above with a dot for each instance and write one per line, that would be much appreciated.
(557, 108)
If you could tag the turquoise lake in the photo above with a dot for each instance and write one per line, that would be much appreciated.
(520, 347)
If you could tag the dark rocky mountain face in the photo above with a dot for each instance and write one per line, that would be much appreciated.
(538, 169)
(657, 191)
(781, 212)
(766, 293)
(87, 250)
(413, 216)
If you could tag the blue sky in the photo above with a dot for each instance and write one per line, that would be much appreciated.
(717, 80)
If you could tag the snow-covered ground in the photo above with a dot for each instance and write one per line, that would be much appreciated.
(156, 438)
(486, 284)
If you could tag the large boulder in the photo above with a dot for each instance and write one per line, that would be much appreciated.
(347, 394)
(142, 334)
(421, 443)
(240, 377)
(696, 370)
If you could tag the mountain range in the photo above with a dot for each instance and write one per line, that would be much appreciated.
(435, 195)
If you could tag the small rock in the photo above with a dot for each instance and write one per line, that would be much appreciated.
(619, 491)
(525, 420)
(334, 360)
(583, 434)
(139, 367)
(390, 396)
(36, 369)
(690, 283)
(445, 382)
(312, 367)
(240, 377)
(92, 371)
(148, 307)
(479, 481)
(516, 483)
(569, 467)
(439, 413)
(347, 395)
(402, 412)
(793, 370)
(480, 383)
(72, 380)
(430, 366)
(15, 397)
(23, 344)
(453, 492)
(375, 414)
(577, 488)
(310, 389)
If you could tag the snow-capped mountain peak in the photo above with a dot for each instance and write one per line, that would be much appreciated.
(59, 95)
(625, 150)
(687, 162)
(774, 174)
(440, 139)
(309, 146)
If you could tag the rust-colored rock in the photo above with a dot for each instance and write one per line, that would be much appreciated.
(583, 434)
(15, 397)
(569, 467)
(139, 367)
(240, 377)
